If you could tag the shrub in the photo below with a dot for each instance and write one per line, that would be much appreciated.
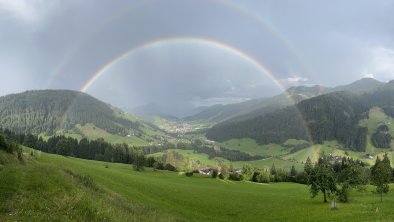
(301, 178)
(19, 151)
(236, 176)
(261, 177)
(139, 162)
(3, 144)
(215, 173)
(247, 172)
(189, 174)
(169, 167)
(343, 193)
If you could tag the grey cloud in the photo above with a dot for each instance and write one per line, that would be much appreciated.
(61, 44)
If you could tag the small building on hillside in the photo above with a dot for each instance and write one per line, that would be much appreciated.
(205, 171)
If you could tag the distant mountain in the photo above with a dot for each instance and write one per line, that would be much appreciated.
(333, 116)
(47, 111)
(257, 107)
(361, 86)
(149, 111)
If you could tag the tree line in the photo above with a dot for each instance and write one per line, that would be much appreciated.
(101, 150)
(86, 149)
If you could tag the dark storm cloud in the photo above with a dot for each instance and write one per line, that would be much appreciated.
(61, 44)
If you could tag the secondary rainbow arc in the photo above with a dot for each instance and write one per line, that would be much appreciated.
(186, 40)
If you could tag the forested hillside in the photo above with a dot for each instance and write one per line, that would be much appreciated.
(245, 110)
(332, 116)
(257, 107)
(47, 111)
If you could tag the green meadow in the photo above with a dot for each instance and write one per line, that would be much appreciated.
(212, 162)
(41, 188)
(250, 146)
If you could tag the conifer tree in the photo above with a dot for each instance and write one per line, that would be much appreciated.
(381, 175)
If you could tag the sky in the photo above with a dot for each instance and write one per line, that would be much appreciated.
(181, 54)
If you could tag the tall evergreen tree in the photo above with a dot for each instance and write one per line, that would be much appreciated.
(273, 169)
(381, 175)
(139, 162)
(293, 171)
(308, 169)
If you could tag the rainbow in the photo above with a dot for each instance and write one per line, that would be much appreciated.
(187, 40)
(273, 30)
(58, 70)
(231, 5)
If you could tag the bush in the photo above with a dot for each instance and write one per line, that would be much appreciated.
(3, 144)
(139, 162)
(247, 172)
(261, 177)
(19, 151)
(280, 176)
(156, 166)
(189, 174)
(215, 173)
(169, 167)
(236, 176)
(224, 173)
(9, 147)
(343, 193)
(301, 178)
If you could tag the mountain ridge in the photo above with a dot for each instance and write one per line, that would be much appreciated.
(295, 94)
(332, 116)
(48, 111)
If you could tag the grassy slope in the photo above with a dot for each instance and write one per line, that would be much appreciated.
(39, 189)
(376, 116)
(202, 157)
(251, 147)
(92, 132)
(45, 192)
(265, 163)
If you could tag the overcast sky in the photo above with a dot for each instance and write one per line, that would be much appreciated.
(62, 44)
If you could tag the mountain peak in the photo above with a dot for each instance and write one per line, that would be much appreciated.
(360, 86)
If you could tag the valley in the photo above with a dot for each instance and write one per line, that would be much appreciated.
(165, 169)
(292, 150)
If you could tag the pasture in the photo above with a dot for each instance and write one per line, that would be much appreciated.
(42, 189)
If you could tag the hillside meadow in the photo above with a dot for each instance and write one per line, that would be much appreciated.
(43, 189)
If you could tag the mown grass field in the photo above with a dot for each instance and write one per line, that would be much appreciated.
(41, 190)
(92, 132)
(376, 117)
(250, 146)
(261, 164)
